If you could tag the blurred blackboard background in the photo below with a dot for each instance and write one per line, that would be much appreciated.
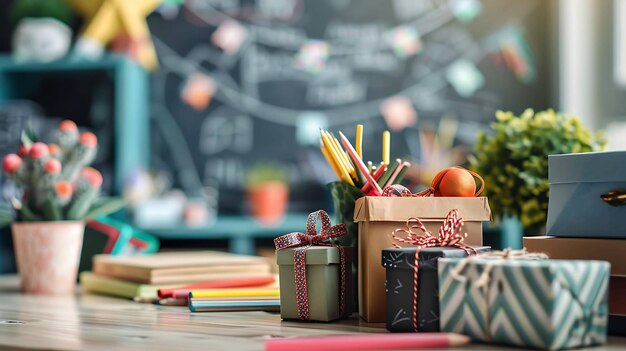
(245, 82)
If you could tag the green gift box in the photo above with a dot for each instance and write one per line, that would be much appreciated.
(323, 283)
(546, 304)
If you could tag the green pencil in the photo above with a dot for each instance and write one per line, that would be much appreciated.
(390, 169)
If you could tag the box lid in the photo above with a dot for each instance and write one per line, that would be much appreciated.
(399, 209)
(404, 258)
(314, 255)
(587, 167)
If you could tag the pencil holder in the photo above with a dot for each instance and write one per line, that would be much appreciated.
(344, 196)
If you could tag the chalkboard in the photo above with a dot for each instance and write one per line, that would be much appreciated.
(274, 71)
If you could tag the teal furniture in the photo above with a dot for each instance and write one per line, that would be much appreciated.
(130, 100)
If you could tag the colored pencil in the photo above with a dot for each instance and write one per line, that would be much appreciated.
(331, 149)
(359, 140)
(403, 171)
(386, 142)
(346, 143)
(377, 174)
(397, 171)
(224, 306)
(419, 341)
(242, 292)
(390, 170)
(341, 155)
(170, 301)
(369, 167)
(344, 155)
(330, 160)
(229, 283)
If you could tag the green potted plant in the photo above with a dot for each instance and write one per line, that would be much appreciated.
(57, 192)
(267, 191)
(513, 160)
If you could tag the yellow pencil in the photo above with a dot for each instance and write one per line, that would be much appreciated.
(235, 292)
(359, 140)
(330, 160)
(386, 141)
(343, 157)
(331, 150)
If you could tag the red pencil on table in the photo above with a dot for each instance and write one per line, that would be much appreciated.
(357, 160)
(216, 284)
(369, 342)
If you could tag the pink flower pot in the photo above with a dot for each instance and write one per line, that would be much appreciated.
(47, 255)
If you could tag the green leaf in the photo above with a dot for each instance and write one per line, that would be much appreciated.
(27, 215)
(52, 210)
(29, 137)
(105, 206)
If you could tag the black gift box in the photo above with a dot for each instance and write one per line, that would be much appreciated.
(399, 264)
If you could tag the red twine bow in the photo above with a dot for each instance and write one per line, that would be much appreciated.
(449, 236)
(302, 242)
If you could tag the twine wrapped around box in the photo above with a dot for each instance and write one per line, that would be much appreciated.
(449, 236)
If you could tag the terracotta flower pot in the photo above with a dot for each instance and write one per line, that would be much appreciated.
(47, 255)
(268, 201)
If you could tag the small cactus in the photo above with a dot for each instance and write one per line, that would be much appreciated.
(56, 180)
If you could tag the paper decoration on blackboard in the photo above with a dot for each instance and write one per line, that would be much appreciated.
(466, 10)
(405, 41)
(308, 127)
(229, 36)
(312, 56)
(512, 47)
(198, 91)
(464, 77)
(398, 113)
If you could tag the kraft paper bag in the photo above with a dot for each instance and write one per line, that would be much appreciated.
(378, 216)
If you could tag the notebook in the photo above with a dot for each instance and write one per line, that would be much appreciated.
(181, 267)
(94, 283)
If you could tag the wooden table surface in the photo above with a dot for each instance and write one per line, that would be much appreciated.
(91, 322)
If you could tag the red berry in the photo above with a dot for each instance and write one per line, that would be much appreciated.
(63, 189)
(68, 126)
(88, 139)
(54, 149)
(93, 177)
(52, 166)
(23, 150)
(11, 163)
(38, 150)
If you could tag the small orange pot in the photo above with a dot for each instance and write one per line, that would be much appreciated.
(47, 255)
(268, 201)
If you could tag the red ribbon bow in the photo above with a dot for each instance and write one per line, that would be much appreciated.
(449, 236)
(302, 242)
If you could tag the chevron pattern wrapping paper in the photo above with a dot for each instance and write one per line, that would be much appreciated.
(545, 304)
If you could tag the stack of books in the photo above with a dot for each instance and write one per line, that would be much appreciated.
(612, 250)
(141, 277)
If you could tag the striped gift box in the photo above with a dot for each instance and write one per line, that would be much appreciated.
(546, 304)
